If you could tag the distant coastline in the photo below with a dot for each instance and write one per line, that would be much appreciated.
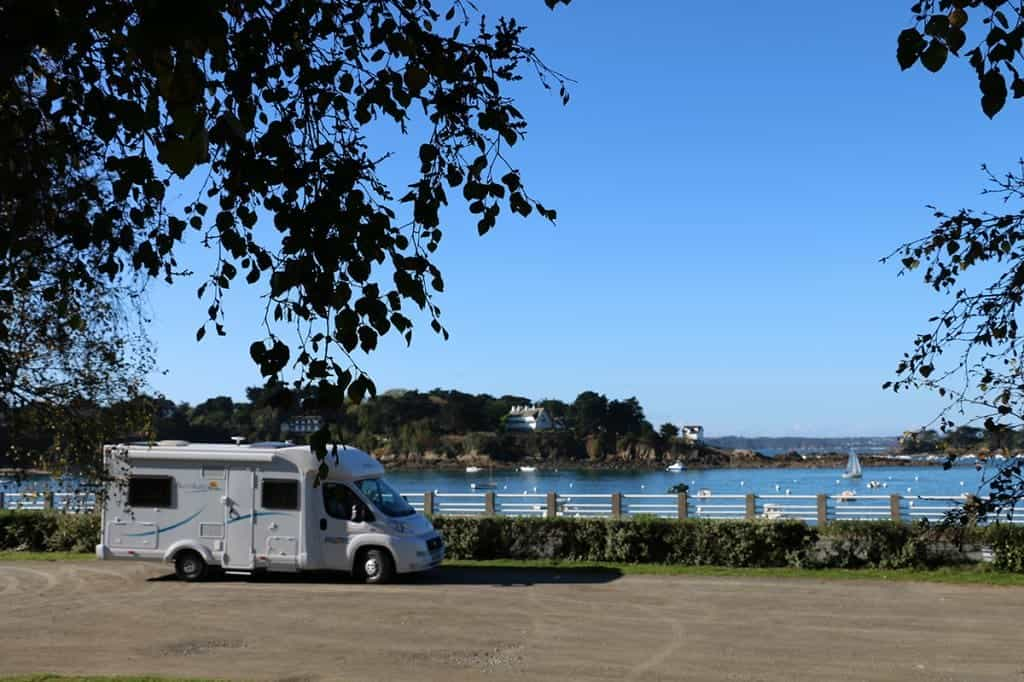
(640, 458)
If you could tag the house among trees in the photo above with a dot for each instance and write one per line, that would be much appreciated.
(923, 440)
(303, 425)
(528, 418)
(693, 433)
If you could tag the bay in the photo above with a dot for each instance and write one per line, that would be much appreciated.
(923, 480)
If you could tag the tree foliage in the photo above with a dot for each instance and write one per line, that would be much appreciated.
(971, 352)
(72, 340)
(269, 108)
(991, 29)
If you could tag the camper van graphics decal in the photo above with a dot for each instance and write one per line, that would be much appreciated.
(257, 515)
(182, 523)
(165, 528)
(197, 487)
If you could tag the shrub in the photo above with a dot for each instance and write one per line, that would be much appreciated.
(41, 531)
(696, 542)
(1008, 545)
(878, 544)
(693, 542)
(26, 531)
(74, 533)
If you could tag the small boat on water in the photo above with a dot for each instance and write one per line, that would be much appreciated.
(853, 469)
(527, 470)
(875, 484)
(703, 492)
(676, 467)
(848, 496)
(489, 484)
(473, 470)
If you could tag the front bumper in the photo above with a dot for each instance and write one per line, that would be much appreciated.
(419, 556)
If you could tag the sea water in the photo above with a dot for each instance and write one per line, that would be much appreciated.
(902, 480)
(910, 481)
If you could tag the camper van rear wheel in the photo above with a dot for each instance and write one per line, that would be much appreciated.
(189, 565)
(375, 566)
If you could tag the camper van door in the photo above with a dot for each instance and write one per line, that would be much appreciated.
(337, 525)
(238, 519)
(278, 521)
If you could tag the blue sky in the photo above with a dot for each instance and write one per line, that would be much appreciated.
(727, 176)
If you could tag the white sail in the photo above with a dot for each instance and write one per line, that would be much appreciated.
(853, 467)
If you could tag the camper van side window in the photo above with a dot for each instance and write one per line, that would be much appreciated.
(150, 491)
(339, 501)
(280, 494)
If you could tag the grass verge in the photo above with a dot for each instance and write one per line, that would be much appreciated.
(44, 556)
(981, 574)
(72, 678)
(965, 575)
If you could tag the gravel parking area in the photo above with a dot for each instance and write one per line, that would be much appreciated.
(502, 624)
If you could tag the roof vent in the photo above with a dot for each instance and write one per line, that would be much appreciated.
(171, 443)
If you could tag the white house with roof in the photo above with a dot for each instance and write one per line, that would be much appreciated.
(693, 433)
(528, 418)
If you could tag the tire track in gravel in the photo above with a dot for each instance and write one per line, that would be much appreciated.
(662, 654)
(11, 584)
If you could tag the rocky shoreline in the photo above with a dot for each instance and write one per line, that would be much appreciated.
(641, 459)
(636, 458)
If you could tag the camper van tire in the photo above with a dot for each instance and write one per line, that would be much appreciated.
(189, 565)
(375, 566)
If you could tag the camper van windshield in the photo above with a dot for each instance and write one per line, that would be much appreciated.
(384, 497)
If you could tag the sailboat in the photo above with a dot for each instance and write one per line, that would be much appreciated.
(852, 467)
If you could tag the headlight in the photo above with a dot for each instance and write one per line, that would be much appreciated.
(398, 527)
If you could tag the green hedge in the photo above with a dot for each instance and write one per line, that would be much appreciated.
(1008, 544)
(760, 543)
(41, 531)
(846, 544)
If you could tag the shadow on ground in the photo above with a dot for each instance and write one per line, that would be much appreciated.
(500, 576)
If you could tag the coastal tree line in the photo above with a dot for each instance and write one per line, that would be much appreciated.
(961, 439)
(397, 421)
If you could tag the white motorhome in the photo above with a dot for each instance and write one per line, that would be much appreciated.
(256, 507)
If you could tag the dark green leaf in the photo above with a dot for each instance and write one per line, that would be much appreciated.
(993, 92)
(908, 47)
(934, 56)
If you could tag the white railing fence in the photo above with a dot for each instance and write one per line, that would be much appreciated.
(812, 509)
(73, 502)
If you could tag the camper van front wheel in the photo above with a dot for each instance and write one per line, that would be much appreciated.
(189, 565)
(375, 566)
